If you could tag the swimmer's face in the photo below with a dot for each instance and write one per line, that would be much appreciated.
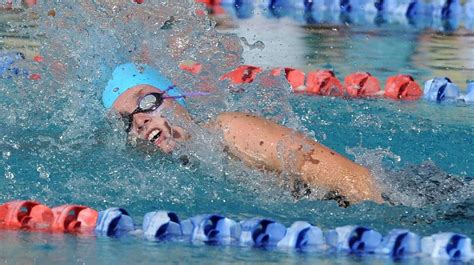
(152, 126)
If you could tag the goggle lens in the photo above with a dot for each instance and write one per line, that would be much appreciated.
(150, 102)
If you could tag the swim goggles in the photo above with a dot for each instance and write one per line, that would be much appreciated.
(151, 102)
(147, 103)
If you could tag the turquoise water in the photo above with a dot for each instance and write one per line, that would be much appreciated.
(60, 147)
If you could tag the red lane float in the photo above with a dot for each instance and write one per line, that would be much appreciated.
(243, 74)
(35, 77)
(213, 6)
(35, 216)
(324, 83)
(190, 66)
(210, 2)
(73, 218)
(361, 84)
(25, 214)
(294, 76)
(38, 59)
(321, 82)
(402, 87)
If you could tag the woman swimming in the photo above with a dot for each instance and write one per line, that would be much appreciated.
(140, 94)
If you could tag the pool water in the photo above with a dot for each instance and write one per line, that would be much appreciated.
(59, 146)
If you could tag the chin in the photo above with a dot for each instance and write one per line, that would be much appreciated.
(168, 147)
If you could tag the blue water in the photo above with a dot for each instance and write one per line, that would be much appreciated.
(58, 146)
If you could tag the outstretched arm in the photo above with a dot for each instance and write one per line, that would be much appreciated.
(267, 145)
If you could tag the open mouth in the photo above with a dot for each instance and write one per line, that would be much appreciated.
(154, 136)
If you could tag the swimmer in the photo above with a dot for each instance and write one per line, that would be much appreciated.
(141, 94)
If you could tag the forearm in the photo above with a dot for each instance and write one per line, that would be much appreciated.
(320, 166)
(325, 168)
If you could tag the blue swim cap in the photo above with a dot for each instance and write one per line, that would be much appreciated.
(126, 76)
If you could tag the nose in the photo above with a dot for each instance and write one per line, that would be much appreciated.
(140, 121)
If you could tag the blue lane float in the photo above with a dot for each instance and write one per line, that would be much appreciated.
(445, 15)
(449, 246)
(261, 232)
(161, 225)
(354, 238)
(210, 228)
(114, 222)
(445, 9)
(8, 69)
(265, 233)
(399, 243)
(440, 89)
(469, 97)
(302, 235)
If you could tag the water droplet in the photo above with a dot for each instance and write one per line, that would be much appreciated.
(6, 154)
(43, 174)
(9, 175)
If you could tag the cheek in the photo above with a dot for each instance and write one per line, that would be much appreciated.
(168, 127)
(177, 134)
